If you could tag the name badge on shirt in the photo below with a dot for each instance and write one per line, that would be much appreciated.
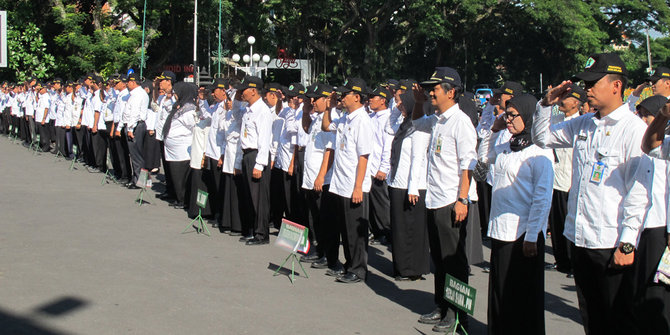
(246, 131)
(438, 145)
(597, 172)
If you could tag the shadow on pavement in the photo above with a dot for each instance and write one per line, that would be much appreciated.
(27, 325)
(558, 306)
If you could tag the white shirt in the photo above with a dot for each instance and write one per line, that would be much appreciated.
(562, 156)
(395, 120)
(109, 105)
(98, 106)
(216, 136)
(119, 107)
(87, 113)
(354, 139)
(652, 179)
(319, 142)
(380, 158)
(136, 108)
(411, 171)
(287, 139)
(522, 190)
(180, 137)
(600, 215)
(232, 124)
(257, 132)
(486, 121)
(277, 127)
(199, 142)
(29, 103)
(165, 106)
(53, 105)
(42, 108)
(452, 150)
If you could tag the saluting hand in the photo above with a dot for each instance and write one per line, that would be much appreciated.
(419, 94)
(556, 94)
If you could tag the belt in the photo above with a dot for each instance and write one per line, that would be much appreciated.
(246, 151)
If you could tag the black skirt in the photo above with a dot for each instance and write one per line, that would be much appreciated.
(231, 189)
(409, 234)
(198, 183)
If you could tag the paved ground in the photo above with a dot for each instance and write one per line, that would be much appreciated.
(78, 257)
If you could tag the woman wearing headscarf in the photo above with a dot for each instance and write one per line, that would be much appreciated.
(178, 135)
(407, 193)
(520, 203)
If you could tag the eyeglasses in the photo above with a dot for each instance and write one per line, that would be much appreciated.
(509, 116)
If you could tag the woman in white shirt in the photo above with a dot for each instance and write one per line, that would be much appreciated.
(178, 135)
(407, 194)
(232, 178)
(520, 203)
(151, 149)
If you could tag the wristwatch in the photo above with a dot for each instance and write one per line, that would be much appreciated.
(464, 201)
(626, 248)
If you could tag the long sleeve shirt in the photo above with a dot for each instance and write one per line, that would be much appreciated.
(380, 158)
(411, 170)
(136, 108)
(257, 132)
(603, 209)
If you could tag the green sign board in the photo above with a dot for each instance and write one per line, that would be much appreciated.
(460, 294)
(293, 237)
(201, 199)
(142, 178)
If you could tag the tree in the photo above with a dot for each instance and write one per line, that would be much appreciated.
(27, 54)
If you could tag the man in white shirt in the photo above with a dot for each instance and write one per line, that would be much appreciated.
(567, 109)
(99, 134)
(350, 183)
(604, 213)
(255, 143)
(379, 165)
(134, 116)
(165, 81)
(119, 145)
(41, 116)
(451, 159)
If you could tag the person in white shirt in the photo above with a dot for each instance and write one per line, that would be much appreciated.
(255, 141)
(41, 116)
(164, 105)
(99, 133)
(451, 159)
(178, 137)
(407, 194)
(213, 148)
(520, 203)
(651, 303)
(379, 166)
(119, 145)
(134, 117)
(233, 197)
(604, 213)
(69, 119)
(350, 183)
(198, 162)
(152, 149)
(88, 119)
(319, 155)
(566, 109)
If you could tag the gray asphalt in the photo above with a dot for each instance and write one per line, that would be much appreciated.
(78, 257)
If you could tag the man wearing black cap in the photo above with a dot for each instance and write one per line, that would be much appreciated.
(120, 152)
(134, 116)
(660, 81)
(255, 143)
(41, 116)
(350, 183)
(379, 165)
(568, 109)
(99, 133)
(298, 207)
(165, 101)
(451, 159)
(604, 213)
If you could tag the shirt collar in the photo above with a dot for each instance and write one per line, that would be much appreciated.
(351, 116)
(616, 115)
(449, 112)
(381, 112)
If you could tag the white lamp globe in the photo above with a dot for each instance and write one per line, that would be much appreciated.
(251, 40)
(236, 58)
(256, 57)
(246, 58)
(266, 59)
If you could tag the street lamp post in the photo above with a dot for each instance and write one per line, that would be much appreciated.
(252, 60)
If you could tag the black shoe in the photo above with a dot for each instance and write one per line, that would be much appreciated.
(93, 170)
(123, 181)
(234, 233)
(310, 258)
(570, 275)
(486, 269)
(258, 241)
(349, 278)
(178, 205)
(321, 263)
(550, 266)
(132, 186)
(245, 238)
(431, 318)
(446, 325)
(402, 278)
(335, 271)
(379, 240)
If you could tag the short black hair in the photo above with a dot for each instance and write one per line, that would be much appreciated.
(624, 81)
(448, 86)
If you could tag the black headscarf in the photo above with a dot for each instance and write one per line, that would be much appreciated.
(653, 104)
(467, 104)
(406, 129)
(186, 93)
(525, 105)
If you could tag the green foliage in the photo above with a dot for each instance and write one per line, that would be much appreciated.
(28, 54)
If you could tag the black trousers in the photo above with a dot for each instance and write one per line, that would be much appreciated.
(60, 141)
(516, 289)
(411, 256)
(79, 141)
(213, 183)
(169, 187)
(232, 200)
(299, 212)
(197, 182)
(380, 209)
(560, 244)
(354, 223)
(87, 149)
(280, 202)
(151, 151)
(484, 203)
(605, 294)
(135, 149)
(45, 136)
(652, 300)
(447, 250)
(122, 157)
(474, 249)
(179, 171)
(100, 141)
(256, 197)
(326, 231)
(4, 124)
(69, 142)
